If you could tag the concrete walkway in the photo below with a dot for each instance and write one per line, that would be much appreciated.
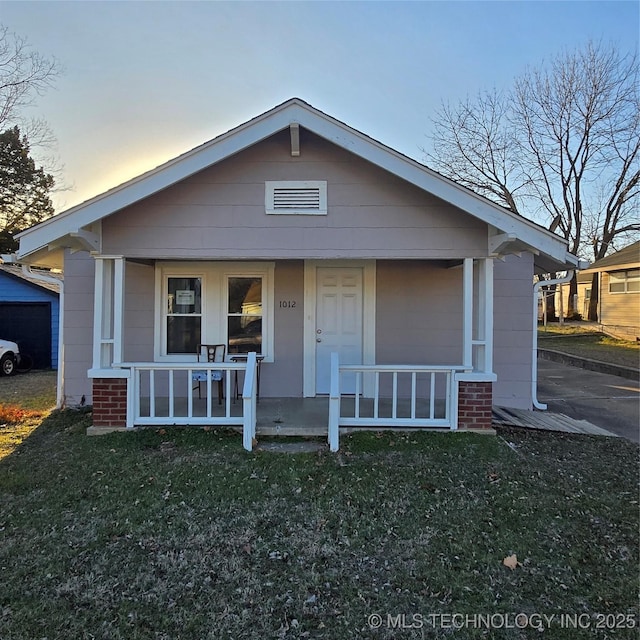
(292, 417)
(608, 401)
(588, 363)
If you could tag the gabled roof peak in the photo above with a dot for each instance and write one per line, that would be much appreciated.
(292, 111)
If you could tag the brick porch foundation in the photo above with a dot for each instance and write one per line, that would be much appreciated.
(474, 405)
(110, 403)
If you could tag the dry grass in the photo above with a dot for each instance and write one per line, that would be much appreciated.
(34, 390)
(590, 344)
(182, 534)
(557, 329)
(25, 399)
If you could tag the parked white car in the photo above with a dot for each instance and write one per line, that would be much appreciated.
(9, 357)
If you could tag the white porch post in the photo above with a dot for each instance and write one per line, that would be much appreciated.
(98, 298)
(484, 333)
(474, 386)
(488, 313)
(467, 313)
(118, 309)
(108, 311)
(334, 404)
(477, 287)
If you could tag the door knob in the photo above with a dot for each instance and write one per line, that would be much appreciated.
(318, 339)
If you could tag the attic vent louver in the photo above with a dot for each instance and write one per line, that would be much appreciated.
(308, 198)
(296, 197)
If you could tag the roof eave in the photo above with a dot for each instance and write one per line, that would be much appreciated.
(613, 267)
(265, 125)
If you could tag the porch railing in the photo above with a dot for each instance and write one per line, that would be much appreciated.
(403, 396)
(160, 393)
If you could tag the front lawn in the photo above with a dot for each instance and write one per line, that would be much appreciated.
(25, 399)
(35, 390)
(589, 344)
(181, 534)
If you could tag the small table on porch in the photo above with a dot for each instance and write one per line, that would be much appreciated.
(242, 357)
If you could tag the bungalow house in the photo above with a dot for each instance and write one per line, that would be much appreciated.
(29, 313)
(619, 291)
(327, 264)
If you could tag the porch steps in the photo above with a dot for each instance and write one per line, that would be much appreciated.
(293, 417)
(289, 430)
(546, 421)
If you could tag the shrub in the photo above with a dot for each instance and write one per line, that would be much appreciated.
(12, 414)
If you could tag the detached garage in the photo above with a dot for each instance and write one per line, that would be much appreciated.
(29, 315)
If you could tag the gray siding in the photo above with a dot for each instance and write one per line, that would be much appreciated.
(419, 313)
(419, 322)
(283, 378)
(139, 294)
(220, 213)
(78, 330)
(512, 336)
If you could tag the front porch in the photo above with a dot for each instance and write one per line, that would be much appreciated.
(372, 352)
(400, 396)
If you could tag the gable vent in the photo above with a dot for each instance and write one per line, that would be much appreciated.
(285, 198)
(296, 197)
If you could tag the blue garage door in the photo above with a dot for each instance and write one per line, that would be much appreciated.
(28, 324)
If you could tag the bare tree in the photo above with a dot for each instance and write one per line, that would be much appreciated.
(24, 75)
(473, 145)
(561, 146)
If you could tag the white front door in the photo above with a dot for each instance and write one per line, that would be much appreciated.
(338, 323)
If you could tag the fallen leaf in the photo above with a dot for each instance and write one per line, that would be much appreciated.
(511, 562)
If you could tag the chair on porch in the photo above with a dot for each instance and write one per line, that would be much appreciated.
(210, 353)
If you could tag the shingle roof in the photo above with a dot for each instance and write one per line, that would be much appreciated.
(627, 256)
(16, 272)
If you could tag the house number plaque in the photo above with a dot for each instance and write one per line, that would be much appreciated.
(287, 304)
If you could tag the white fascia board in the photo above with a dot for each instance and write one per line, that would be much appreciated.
(298, 112)
(627, 266)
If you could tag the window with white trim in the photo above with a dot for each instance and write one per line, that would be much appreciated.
(216, 302)
(244, 314)
(296, 197)
(183, 314)
(624, 281)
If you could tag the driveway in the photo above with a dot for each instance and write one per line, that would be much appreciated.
(610, 402)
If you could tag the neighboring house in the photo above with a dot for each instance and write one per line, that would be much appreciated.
(581, 301)
(29, 314)
(296, 236)
(619, 287)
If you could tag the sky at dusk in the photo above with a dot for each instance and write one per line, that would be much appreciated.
(146, 81)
